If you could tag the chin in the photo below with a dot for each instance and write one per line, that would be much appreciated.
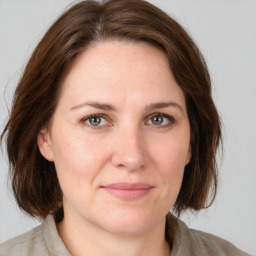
(128, 223)
(127, 228)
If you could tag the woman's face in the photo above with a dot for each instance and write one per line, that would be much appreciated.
(119, 138)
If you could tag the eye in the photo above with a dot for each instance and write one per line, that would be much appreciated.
(95, 120)
(160, 119)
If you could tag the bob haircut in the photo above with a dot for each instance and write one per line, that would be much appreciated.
(34, 180)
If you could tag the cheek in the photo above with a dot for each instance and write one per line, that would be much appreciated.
(78, 162)
(170, 156)
(72, 150)
(172, 152)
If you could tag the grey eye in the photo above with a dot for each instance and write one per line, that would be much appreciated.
(157, 120)
(95, 121)
(161, 120)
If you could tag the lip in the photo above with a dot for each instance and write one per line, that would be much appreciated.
(128, 191)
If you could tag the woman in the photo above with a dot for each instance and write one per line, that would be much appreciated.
(112, 125)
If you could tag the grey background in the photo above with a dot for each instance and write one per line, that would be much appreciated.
(225, 30)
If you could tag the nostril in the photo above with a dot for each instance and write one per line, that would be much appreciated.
(128, 162)
(130, 151)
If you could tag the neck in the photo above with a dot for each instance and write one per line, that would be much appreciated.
(95, 241)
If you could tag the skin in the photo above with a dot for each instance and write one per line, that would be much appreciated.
(127, 145)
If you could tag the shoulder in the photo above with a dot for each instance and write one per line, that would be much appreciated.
(26, 244)
(41, 241)
(193, 242)
(214, 244)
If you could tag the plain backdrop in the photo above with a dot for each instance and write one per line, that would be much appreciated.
(225, 31)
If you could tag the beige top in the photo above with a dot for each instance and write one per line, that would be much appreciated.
(44, 240)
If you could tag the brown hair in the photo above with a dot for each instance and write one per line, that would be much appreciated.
(34, 179)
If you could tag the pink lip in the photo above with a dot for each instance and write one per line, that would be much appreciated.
(128, 191)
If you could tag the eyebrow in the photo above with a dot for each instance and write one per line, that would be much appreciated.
(157, 105)
(109, 107)
(98, 105)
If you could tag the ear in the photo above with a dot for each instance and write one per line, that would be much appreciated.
(44, 144)
(189, 155)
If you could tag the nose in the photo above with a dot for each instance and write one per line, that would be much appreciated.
(129, 151)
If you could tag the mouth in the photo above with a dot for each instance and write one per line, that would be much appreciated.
(128, 191)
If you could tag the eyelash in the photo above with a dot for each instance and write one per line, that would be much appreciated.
(171, 120)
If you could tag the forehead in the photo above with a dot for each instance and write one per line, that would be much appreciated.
(120, 70)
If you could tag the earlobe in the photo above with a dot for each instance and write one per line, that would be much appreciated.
(189, 155)
(44, 144)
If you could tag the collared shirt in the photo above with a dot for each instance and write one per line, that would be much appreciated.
(44, 240)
